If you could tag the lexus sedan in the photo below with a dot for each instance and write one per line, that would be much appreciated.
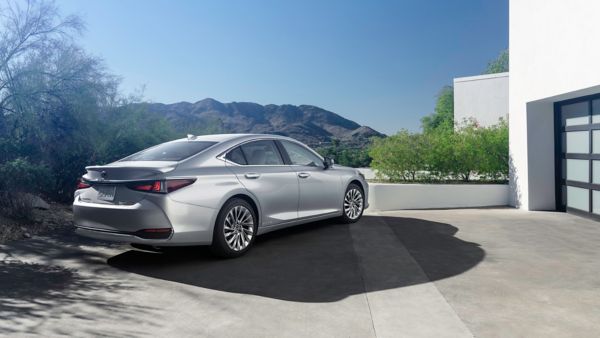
(217, 190)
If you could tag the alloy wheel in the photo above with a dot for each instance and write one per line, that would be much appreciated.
(238, 228)
(353, 203)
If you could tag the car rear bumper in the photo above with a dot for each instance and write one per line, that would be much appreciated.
(146, 222)
(114, 236)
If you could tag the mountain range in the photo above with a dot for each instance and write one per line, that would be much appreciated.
(309, 124)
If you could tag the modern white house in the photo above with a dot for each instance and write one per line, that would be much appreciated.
(552, 98)
(483, 97)
(553, 104)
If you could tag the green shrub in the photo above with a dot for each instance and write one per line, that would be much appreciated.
(495, 152)
(18, 178)
(467, 153)
(22, 176)
(398, 157)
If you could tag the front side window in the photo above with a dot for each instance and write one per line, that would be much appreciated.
(171, 151)
(261, 153)
(299, 155)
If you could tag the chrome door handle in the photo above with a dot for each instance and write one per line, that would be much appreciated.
(252, 175)
(303, 175)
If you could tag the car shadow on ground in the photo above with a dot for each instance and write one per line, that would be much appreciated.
(315, 262)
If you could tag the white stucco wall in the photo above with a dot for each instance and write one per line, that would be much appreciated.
(368, 172)
(388, 196)
(554, 53)
(482, 97)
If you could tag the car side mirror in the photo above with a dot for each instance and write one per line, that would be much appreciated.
(328, 162)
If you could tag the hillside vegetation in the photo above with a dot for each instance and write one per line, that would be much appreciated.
(61, 110)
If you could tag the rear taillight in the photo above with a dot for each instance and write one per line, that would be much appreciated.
(173, 185)
(161, 186)
(81, 184)
(153, 186)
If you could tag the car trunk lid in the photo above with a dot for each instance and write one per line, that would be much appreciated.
(109, 183)
(128, 171)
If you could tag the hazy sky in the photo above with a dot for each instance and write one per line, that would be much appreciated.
(379, 63)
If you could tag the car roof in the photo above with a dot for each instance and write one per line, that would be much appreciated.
(230, 137)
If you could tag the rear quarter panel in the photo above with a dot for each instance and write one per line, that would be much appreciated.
(215, 184)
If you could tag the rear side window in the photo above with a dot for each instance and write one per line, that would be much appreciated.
(236, 156)
(261, 153)
(171, 151)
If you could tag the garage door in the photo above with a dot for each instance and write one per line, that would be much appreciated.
(578, 156)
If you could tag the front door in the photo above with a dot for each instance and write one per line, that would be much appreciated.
(320, 189)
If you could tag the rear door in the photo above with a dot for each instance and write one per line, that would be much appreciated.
(320, 189)
(260, 168)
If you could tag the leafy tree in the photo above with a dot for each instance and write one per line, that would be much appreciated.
(31, 32)
(498, 65)
(443, 117)
(60, 110)
(131, 129)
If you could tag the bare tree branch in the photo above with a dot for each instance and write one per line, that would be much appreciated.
(27, 32)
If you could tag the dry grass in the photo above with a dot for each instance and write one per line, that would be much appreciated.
(16, 205)
(9, 229)
(37, 221)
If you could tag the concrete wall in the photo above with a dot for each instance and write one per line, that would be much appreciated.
(483, 97)
(368, 172)
(554, 53)
(387, 196)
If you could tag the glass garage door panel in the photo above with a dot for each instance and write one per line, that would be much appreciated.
(596, 202)
(578, 142)
(578, 170)
(596, 111)
(575, 114)
(596, 172)
(596, 141)
(578, 198)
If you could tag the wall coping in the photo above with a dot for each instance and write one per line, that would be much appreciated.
(480, 77)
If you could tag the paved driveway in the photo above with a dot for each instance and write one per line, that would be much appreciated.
(455, 273)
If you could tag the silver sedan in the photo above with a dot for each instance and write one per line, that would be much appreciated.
(217, 190)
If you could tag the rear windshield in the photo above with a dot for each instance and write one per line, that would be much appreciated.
(172, 151)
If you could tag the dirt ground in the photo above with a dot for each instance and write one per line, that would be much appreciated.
(42, 221)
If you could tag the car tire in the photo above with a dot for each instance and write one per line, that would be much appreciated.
(353, 204)
(235, 229)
